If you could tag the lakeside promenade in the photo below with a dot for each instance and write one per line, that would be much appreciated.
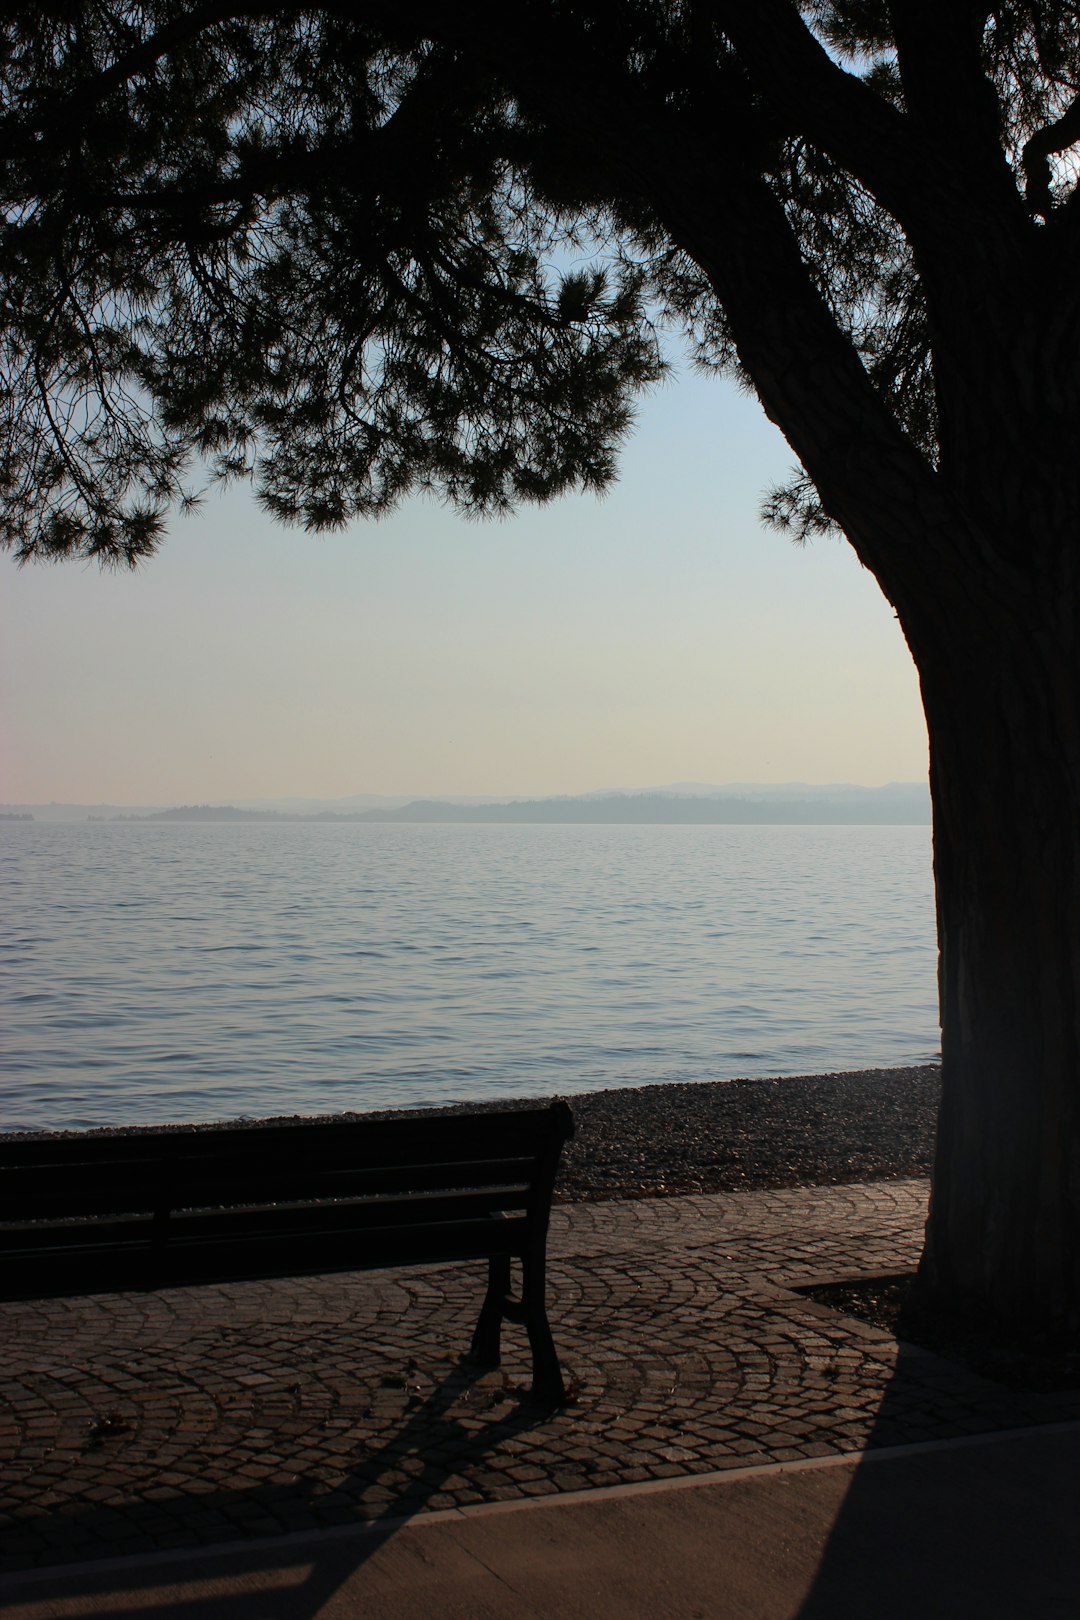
(252, 1415)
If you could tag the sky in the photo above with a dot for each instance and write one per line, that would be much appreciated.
(657, 635)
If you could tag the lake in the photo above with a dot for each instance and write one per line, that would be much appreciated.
(154, 972)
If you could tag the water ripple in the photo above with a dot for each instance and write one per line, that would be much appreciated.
(165, 972)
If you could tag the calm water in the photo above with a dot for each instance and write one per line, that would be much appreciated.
(155, 972)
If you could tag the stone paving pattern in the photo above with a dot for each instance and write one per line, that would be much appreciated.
(188, 1417)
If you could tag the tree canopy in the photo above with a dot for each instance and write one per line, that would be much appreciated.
(353, 250)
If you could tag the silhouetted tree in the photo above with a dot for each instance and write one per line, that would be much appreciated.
(337, 249)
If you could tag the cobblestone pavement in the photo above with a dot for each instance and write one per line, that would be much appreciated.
(207, 1415)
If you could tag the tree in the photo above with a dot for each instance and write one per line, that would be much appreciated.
(336, 249)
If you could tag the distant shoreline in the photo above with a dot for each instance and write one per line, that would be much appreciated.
(789, 804)
(630, 810)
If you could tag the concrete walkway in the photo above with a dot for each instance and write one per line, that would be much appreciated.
(984, 1529)
(246, 1415)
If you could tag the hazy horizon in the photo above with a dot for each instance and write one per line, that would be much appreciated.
(688, 789)
(658, 636)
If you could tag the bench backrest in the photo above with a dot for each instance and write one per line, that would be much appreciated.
(145, 1208)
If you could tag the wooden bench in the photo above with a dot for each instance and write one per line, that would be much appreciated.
(103, 1212)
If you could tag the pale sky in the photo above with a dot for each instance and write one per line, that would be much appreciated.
(656, 636)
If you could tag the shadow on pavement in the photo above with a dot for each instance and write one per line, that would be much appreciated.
(983, 1527)
(290, 1583)
(265, 1582)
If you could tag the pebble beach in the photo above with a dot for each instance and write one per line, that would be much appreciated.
(736, 1135)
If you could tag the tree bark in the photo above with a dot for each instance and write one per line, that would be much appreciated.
(1004, 725)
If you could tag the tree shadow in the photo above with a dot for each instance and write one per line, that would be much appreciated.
(982, 1525)
(189, 1586)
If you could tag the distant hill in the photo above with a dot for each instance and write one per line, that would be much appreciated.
(789, 803)
(899, 803)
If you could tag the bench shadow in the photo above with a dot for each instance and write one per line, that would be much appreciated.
(982, 1526)
(311, 1563)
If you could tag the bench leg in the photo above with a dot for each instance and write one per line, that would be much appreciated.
(548, 1388)
(485, 1344)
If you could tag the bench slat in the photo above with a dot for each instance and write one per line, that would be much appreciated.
(120, 1266)
(97, 1236)
(368, 1216)
(285, 1216)
(444, 1138)
(266, 1255)
(37, 1193)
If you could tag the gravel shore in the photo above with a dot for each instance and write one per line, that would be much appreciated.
(810, 1130)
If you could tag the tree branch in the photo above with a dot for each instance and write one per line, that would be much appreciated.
(19, 132)
(810, 94)
(950, 100)
(1037, 153)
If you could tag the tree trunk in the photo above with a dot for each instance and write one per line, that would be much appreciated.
(978, 555)
(1004, 724)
